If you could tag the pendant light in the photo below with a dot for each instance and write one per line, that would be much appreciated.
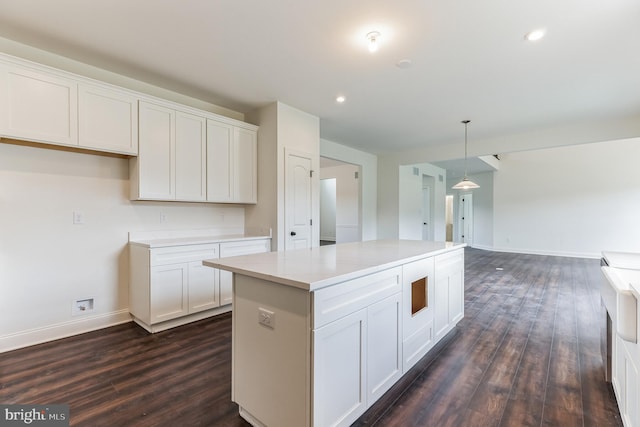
(466, 183)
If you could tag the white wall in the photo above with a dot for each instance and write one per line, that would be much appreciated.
(574, 201)
(47, 262)
(283, 128)
(347, 202)
(368, 182)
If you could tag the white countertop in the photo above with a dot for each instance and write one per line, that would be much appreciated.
(194, 240)
(628, 260)
(315, 268)
(625, 279)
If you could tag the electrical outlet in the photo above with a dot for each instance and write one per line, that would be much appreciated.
(266, 318)
(82, 306)
(163, 217)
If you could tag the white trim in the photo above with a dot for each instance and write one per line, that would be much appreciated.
(62, 330)
(539, 252)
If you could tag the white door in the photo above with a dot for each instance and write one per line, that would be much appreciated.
(426, 213)
(465, 219)
(297, 204)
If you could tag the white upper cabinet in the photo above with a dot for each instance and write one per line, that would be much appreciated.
(183, 154)
(219, 162)
(108, 119)
(171, 164)
(153, 172)
(231, 163)
(246, 165)
(38, 106)
(191, 151)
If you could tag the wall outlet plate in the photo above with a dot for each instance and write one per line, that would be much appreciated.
(266, 318)
(82, 306)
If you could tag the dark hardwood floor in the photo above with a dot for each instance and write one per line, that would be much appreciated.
(527, 353)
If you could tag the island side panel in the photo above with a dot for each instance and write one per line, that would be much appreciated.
(271, 365)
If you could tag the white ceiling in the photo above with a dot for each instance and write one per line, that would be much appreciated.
(470, 59)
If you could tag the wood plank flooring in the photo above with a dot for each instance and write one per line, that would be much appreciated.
(527, 353)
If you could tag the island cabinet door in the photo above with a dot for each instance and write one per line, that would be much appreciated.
(449, 291)
(384, 346)
(339, 371)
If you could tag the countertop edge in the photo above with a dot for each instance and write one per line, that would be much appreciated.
(320, 284)
(201, 240)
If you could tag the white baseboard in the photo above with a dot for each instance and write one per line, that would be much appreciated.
(62, 330)
(539, 252)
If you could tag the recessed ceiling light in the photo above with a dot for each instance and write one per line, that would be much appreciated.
(535, 35)
(373, 37)
(340, 99)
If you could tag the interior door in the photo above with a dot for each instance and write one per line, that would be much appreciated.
(426, 213)
(298, 213)
(465, 218)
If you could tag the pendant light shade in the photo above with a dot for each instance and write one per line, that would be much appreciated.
(466, 183)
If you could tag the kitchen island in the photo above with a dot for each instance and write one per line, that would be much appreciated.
(320, 334)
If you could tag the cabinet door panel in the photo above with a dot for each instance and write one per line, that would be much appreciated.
(168, 292)
(156, 152)
(441, 304)
(108, 120)
(384, 355)
(191, 148)
(245, 164)
(339, 360)
(203, 289)
(39, 107)
(219, 162)
(456, 295)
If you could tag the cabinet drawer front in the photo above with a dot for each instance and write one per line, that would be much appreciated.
(230, 249)
(337, 301)
(450, 260)
(178, 254)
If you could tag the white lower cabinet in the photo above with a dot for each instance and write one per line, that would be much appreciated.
(418, 298)
(626, 380)
(340, 360)
(448, 292)
(384, 346)
(169, 286)
(169, 292)
(202, 295)
(358, 356)
(229, 249)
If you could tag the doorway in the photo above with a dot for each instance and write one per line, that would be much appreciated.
(327, 211)
(340, 202)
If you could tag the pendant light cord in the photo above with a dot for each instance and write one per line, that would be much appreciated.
(466, 122)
